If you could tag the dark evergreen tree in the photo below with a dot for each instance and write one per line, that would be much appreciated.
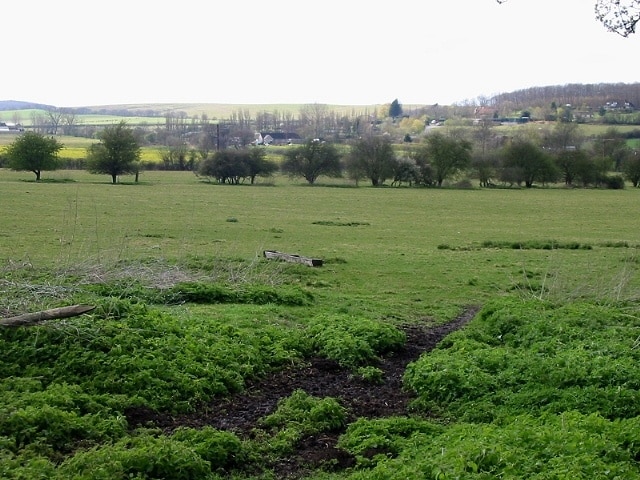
(395, 110)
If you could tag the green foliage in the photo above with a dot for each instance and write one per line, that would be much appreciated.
(143, 456)
(536, 244)
(353, 341)
(548, 244)
(333, 223)
(236, 166)
(529, 356)
(373, 441)
(445, 156)
(197, 292)
(395, 109)
(52, 419)
(370, 374)
(33, 152)
(120, 297)
(149, 357)
(309, 414)
(373, 158)
(569, 445)
(311, 160)
(529, 163)
(297, 416)
(117, 153)
(223, 450)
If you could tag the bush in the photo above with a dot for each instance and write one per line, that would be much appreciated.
(614, 182)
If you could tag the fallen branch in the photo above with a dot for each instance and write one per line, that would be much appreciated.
(30, 319)
(288, 257)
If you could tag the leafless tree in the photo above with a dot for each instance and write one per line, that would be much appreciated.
(54, 116)
(69, 122)
(617, 16)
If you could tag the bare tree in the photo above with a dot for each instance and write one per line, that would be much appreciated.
(69, 121)
(54, 116)
(617, 16)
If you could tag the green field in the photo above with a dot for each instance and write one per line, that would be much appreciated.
(387, 238)
(533, 258)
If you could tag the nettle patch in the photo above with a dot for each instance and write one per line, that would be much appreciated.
(353, 341)
(531, 356)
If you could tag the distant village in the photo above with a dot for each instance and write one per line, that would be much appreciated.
(6, 127)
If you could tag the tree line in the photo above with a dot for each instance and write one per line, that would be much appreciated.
(530, 157)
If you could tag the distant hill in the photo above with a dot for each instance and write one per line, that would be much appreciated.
(576, 94)
(579, 95)
(19, 105)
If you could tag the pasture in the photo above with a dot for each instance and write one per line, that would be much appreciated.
(187, 310)
(399, 251)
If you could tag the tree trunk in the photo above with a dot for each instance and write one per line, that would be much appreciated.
(30, 319)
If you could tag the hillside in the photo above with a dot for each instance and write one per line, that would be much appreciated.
(20, 105)
(593, 96)
(578, 95)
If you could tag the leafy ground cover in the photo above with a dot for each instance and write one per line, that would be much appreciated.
(204, 360)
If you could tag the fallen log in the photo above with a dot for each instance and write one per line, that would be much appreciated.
(293, 258)
(30, 319)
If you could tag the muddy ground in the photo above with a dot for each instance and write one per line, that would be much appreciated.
(321, 378)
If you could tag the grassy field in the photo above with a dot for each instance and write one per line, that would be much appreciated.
(543, 383)
(417, 251)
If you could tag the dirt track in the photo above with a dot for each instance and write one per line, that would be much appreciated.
(321, 378)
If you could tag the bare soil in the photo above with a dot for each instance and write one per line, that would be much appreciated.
(321, 378)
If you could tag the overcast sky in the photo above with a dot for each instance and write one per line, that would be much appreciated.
(83, 53)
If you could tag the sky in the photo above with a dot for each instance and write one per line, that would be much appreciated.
(71, 53)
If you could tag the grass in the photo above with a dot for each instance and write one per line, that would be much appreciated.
(382, 247)
(187, 308)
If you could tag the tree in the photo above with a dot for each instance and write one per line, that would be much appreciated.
(226, 166)
(395, 110)
(574, 164)
(258, 165)
(485, 166)
(234, 166)
(612, 147)
(33, 152)
(446, 155)
(117, 152)
(530, 162)
(617, 16)
(311, 160)
(631, 169)
(372, 157)
(563, 136)
(54, 118)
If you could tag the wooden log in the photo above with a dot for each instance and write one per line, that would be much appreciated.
(293, 258)
(30, 319)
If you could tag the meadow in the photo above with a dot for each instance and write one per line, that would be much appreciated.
(175, 266)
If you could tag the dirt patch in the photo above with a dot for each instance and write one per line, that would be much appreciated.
(321, 378)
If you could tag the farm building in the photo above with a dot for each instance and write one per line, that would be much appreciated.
(277, 138)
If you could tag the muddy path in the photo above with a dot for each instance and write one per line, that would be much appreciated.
(321, 378)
